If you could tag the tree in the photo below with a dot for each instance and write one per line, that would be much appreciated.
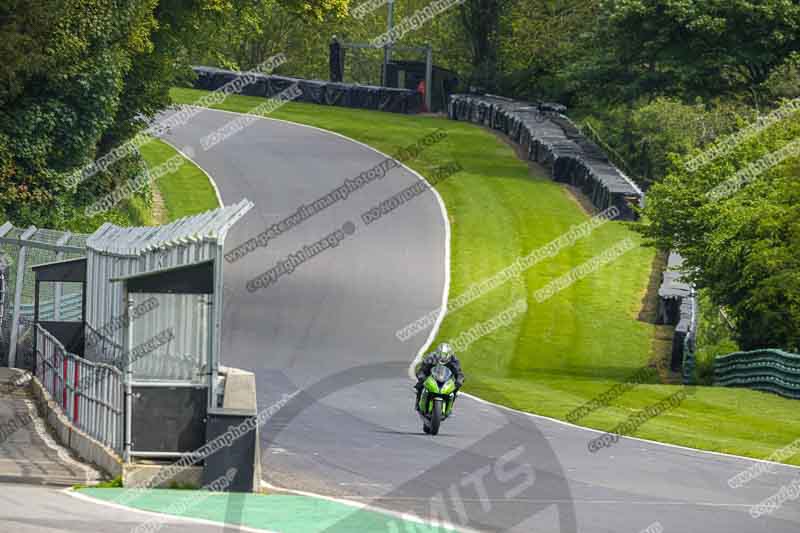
(650, 133)
(537, 42)
(784, 81)
(687, 47)
(79, 77)
(743, 245)
(60, 88)
(480, 20)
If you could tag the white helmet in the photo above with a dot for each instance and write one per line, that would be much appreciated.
(446, 353)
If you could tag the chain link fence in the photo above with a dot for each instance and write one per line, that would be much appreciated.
(21, 248)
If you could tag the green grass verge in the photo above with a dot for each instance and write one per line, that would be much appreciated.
(584, 339)
(187, 191)
(115, 483)
(133, 211)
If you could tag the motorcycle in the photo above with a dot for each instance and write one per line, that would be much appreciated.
(437, 397)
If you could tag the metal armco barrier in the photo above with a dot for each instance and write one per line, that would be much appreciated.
(766, 370)
(90, 394)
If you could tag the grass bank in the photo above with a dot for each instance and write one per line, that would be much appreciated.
(187, 191)
(587, 337)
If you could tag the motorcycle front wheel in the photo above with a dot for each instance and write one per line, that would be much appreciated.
(436, 416)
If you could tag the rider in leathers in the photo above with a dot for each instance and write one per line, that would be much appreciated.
(445, 355)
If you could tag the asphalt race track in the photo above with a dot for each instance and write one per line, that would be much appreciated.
(328, 328)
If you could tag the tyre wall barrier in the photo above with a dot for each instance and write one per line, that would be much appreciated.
(677, 306)
(545, 135)
(315, 91)
(773, 371)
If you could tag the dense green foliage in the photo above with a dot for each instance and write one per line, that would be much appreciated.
(667, 77)
(80, 77)
(744, 247)
(643, 70)
(688, 47)
(714, 337)
(59, 93)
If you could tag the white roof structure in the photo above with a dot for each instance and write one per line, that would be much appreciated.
(211, 226)
(121, 259)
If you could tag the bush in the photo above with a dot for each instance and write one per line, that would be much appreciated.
(714, 338)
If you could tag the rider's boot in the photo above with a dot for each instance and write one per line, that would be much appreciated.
(418, 388)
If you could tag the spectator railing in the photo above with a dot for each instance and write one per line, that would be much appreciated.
(91, 395)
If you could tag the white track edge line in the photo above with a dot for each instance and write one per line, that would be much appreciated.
(164, 517)
(442, 313)
(368, 507)
(195, 163)
(593, 430)
(439, 200)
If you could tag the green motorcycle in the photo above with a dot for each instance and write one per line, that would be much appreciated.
(436, 399)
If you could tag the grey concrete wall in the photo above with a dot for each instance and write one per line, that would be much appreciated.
(240, 395)
(141, 474)
(85, 447)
